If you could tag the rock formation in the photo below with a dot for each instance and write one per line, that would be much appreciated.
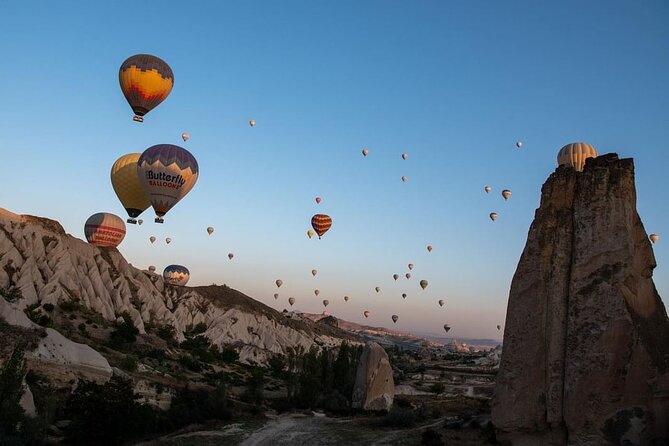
(374, 386)
(49, 266)
(586, 351)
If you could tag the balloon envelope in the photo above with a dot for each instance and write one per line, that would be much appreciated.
(310, 233)
(405, 156)
(185, 136)
(230, 255)
(519, 144)
(447, 328)
(252, 122)
(408, 276)
(152, 239)
(104, 229)
(210, 230)
(493, 216)
(404, 295)
(318, 200)
(423, 284)
(378, 288)
(346, 298)
(396, 276)
(366, 313)
(127, 186)
(441, 302)
(506, 193)
(314, 272)
(487, 189)
(176, 275)
(654, 237)
(145, 81)
(410, 266)
(291, 301)
(404, 179)
(365, 152)
(168, 240)
(317, 292)
(276, 295)
(321, 224)
(575, 154)
(429, 248)
(167, 173)
(395, 318)
(326, 302)
(279, 282)
(152, 268)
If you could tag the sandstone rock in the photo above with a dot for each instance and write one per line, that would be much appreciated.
(374, 386)
(586, 357)
(27, 402)
(49, 266)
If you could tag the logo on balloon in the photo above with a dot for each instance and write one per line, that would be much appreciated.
(164, 180)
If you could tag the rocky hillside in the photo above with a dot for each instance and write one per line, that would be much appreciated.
(586, 357)
(49, 266)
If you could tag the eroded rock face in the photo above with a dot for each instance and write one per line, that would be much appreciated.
(49, 266)
(586, 356)
(374, 386)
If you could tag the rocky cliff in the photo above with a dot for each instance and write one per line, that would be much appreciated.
(586, 357)
(49, 266)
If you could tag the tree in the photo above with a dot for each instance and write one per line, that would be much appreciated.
(11, 390)
(125, 332)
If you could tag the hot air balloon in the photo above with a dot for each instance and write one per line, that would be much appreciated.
(423, 284)
(410, 265)
(395, 318)
(279, 282)
(146, 81)
(230, 255)
(493, 216)
(210, 230)
(167, 173)
(506, 193)
(429, 248)
(291, 301)
(405, 156)
(318, 200)
(276, 296)
(378, 288)
(152, 268)
(104, 229)
(519, 144)
(168, 240)
(326, 302)
(346, 298)
(317, 292)
(366, 313)
(404, 179)
(447, 328)
(310, 233)
(314, 272)
(365, 152)
(140, 221)
(408, 276)
(127, 186)
(176, 275)
(575, 154)
(396, 276)
(499, 327)
(321, 224)
(185, 136)
(654, 238)
(487, 189)
(152, 239)
(252, 122)
(404, 295)
(441, 302)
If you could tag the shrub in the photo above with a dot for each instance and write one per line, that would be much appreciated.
(48, 307)
(69, 305)
(166, 332)
(199, 329)
(229, 355)
(124, 333)
(277, 364)
(437, 388)
(190, 363)
(129, 363)
(335, 402)
(11, 295)
(431, 437)
(400, 417)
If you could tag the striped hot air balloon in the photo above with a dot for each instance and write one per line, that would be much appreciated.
(176, 275)
(103, 229)
(321, 224)
(128, 188)
(146, 81)
(575, 154)
(167, 173)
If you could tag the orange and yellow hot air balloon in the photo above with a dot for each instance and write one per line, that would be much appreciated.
(128, 188)
(146, 81)
(321, 223)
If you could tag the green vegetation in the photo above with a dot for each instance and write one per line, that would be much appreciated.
(129, 363)
(34, 313)
(11, 295)
(124, 333)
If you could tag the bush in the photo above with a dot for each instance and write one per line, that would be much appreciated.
(11, 295)
(48, 307)
(277, 364)
(166, 332)
(437, 388)
(400, 417)
(190, 363)
(129, 363)
(70, 305)
(335, 402)
(124, 333)
(431, 437)
(199, 329)
(229, 355)
(194, 406)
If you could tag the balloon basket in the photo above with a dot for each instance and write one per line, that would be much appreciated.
(159, 220)
(138, 119)
(132, 221)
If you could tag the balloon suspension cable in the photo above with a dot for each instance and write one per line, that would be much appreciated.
(138, 119)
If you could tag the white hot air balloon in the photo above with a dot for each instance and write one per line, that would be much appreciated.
(404, 178)
(493, 216)
(405, 156)
(487, 189)
(519, 144)
(185, 136)
(365, 152)
(279, 282)
(441, 302)
(506, 193)
(654, 238)
(252, 122)
(575, 154)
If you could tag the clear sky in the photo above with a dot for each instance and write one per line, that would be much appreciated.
(453, 83)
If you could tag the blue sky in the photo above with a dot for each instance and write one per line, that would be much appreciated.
(454, 84)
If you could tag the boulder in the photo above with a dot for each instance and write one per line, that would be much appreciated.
(586, 357)
(374, 386)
